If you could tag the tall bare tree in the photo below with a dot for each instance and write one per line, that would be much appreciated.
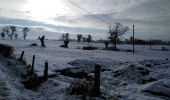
(3, 35)
(16, 36)
(25, 30)
(66, 40)
(89, 38)
(79, 37)
(115, 31)
(6, 31)
(13, 30)
(42, 40)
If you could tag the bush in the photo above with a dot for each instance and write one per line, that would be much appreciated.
(80, 87)
(6, 50)
(64, 46)
(164, 49)
(89, 48)
(34, 44)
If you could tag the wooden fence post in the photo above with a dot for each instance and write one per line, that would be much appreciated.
(32, 67)
(96, 87)
(46, 71)
(20, 59)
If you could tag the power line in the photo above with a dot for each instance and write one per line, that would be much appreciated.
(94, 14)
(88, 12)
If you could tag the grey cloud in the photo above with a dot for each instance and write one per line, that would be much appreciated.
(48, 27)
(12, 8)
(97, 6)
(67, 19)
(103, 9)
(147, 15)
(150, 10)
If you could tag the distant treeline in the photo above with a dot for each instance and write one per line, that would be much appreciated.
(147, 42)
(139, 42)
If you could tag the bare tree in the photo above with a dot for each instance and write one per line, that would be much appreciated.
(16, 36)
(3, 35)
(89, 38)
(79, 37)
(106, 42)
(66, 40)
(6, 31)
(25, 30)
(42, 41)
(13, 30)
(115, 31)
(84, 39)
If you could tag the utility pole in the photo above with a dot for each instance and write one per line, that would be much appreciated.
(133, 39)
(150, 44)
(116, 37)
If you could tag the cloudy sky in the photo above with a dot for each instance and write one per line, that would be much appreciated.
(150, 17)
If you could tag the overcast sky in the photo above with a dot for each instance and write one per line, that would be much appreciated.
(150, 17)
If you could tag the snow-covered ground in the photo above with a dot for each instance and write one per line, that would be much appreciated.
(144, 75)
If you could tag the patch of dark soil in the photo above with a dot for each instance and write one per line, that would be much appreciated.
(6, 50)
(34, 44)
(89, 48)
(33, 82)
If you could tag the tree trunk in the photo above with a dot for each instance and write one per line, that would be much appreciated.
(115, 41)
(42, 43)
(106, 45)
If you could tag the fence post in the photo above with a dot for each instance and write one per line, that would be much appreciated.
(20, 59)
(96, 87)
(46, 71)
(32, 67)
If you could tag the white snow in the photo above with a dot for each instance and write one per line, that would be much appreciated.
(126, 75)
(161, 87)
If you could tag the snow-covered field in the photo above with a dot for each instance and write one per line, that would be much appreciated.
(144, 75)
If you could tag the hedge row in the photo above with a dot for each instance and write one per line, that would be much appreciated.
(6, 50)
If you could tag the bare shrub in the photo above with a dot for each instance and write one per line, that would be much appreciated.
(6, 50)
(80, 87)
(89, 48)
